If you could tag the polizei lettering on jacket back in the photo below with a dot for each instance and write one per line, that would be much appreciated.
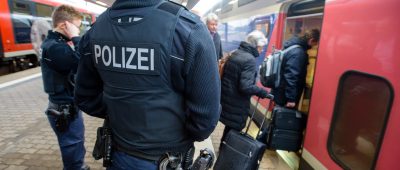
(127, 57)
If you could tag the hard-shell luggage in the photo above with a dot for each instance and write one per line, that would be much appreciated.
(286, 129)
(288, 140)
(239, 151)
(288, 119)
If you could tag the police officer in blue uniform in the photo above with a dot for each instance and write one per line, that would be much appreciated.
(59, 63)
(149, 66)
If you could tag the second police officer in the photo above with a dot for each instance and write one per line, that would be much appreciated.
(149, 66)
(59, 63)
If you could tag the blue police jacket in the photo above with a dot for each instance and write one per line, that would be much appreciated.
(59, 63)
(150, 66)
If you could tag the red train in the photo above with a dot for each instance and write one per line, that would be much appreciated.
(23, 26)
(353, 81)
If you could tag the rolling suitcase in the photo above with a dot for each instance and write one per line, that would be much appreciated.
(286, 129)
(239, 151)
(288, 140)
(288, 119)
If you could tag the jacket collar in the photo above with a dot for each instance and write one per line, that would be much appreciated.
(248, 48)
(127, 4)
(57, 35)
(296, 41)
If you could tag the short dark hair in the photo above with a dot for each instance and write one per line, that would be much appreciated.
(65, 13)
(314, 34)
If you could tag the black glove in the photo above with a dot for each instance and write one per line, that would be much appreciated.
(263, 94)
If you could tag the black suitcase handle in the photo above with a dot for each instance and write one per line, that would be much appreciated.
(270, 97)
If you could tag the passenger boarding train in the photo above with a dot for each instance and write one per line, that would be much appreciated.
(353, 82)
(23, 26)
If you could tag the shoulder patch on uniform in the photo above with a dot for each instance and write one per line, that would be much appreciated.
(170, 7)
(132, 58)
(190, 16)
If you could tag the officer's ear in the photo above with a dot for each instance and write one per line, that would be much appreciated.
(61, 25)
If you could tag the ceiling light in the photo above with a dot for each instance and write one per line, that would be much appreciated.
(217, 10)
(205, 5)
(101, 3)
(232, 2)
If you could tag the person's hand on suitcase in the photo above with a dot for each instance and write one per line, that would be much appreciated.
(263, 94)
(290, 104)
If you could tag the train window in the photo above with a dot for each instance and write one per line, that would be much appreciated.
(359, 121)
(43, 10)
(306, 7)
(298, 25)
(21, 16)
(21, 8)
(302, 16)
(263, 24)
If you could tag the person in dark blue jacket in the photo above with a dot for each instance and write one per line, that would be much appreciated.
(238, 82)
(294, 69)
(149, 66)
(212, 25)
(59, 63)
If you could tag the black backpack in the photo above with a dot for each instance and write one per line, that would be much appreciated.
(270, 69)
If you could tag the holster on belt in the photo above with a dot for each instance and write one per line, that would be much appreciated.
(63, 113)
(177, 161)
(204, 161)
(103, 146)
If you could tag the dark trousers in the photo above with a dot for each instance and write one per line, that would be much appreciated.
(120, 161)
(71, 142)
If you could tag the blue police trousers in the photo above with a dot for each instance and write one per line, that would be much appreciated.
(121, 161)
(71, 142)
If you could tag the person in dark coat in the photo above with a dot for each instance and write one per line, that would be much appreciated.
(142, 66)
(59, 63)
(238, 82)
(294, 69)
(212, 25)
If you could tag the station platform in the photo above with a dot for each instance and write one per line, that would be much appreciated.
(28, 143)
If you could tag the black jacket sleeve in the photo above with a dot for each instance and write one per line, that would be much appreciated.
(202, 91)
(292, 70)
(247, 79)
(62, 58)
(89, 86)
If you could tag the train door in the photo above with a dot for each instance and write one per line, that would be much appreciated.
(303, 17)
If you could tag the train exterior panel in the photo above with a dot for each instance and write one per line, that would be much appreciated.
(363, 36)
(10, 48)
(353, 105)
